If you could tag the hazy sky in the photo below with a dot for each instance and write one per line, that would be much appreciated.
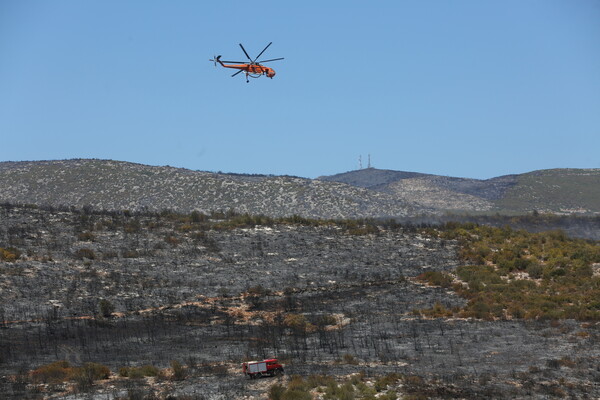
(463, 88)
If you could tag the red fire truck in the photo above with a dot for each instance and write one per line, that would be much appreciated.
(256, 369)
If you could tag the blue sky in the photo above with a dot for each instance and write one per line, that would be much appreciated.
(462, 88)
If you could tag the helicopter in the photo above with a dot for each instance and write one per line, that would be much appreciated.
(253, 69)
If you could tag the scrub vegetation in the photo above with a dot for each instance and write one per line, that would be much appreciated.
(516, 274)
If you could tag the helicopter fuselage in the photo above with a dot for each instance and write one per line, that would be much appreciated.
(252, 69)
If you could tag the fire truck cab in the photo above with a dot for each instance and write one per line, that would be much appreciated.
(256, 369)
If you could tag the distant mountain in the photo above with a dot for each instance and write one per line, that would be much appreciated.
(372, 178)
(557, 190)
(365, 193)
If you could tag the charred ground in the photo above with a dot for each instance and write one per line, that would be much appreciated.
(209, 291)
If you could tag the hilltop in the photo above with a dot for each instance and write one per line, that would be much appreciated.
(561, 191)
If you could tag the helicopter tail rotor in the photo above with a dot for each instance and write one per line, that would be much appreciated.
(216, 60)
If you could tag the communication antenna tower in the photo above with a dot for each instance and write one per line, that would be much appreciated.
(360, 162)
(369, 165)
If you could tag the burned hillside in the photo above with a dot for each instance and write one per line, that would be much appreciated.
(210, 291)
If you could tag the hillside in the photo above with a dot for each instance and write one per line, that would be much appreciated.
(169, 305)
(114, 185)
(563, 191)
(366, 193)
(557, 190)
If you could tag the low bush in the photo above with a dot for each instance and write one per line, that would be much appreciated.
(350, 388)
(138, 372)
(349, 359)
(56, 372)
(62, 371)
(276, 392)
(314, 381)
(293, 394)
(339, 392)
(436, 278)
(10, 254)
(85, 376)
(179, 372)
(382, 383)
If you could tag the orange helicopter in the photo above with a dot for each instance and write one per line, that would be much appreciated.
(253, 69)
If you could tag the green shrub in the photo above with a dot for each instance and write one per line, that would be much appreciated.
(276, 392)
(298, 383)
(389, 395)
(437, 311)
(436, 278)
(56, 372)
(62, 371)
(297, 322)
(339, 392)
(138, 372)
(314, 381)
(85, 376)
(149, 370)
(294, 394)
(535, 270)
(564, 266)
(325, 320)
(179, 372)
(365, 390)
(10, 254)
(96, 371)
(135, 373)
(382, 383)
(349, 359)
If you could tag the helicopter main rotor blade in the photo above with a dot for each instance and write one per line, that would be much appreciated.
(245, 52)
(239, 62)
(274, 59)
(260, 54)
(237, 73)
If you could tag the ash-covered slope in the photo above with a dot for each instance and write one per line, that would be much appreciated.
(114, 185)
